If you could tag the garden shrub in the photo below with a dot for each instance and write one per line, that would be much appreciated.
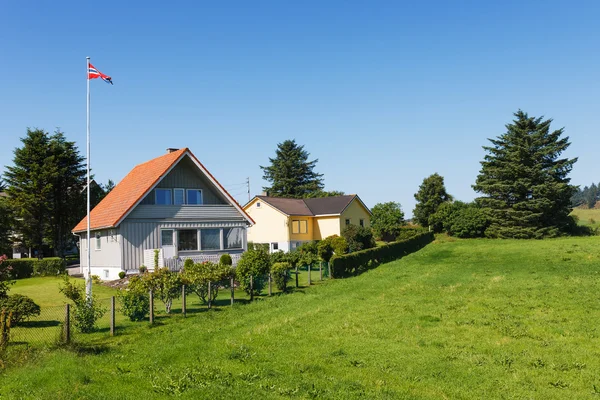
(358, 238)
(278, 256)
(255, 262)
(19, 307)
(197, 276)
(142, 269)
(280, 271)
(96, 279)
(469, 222)
(122, 274)
(187, 263)
(85, 311)
(408, 232)
(165, 286)
(135, 301)
(6, 273)
(225, 260)
(358, 262)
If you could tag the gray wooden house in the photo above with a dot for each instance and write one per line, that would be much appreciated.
(171, 204)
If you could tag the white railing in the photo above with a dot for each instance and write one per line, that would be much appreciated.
(176, 264)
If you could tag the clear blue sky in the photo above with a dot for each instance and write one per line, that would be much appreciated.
(382, 93)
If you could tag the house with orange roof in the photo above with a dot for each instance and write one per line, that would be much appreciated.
(286, 223)
(171, 204)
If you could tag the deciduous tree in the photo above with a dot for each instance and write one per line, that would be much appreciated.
(431, 194)
(387, 220)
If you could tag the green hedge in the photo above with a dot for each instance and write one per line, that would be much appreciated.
(28, 267)
(360, 261)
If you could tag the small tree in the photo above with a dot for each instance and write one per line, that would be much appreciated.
(197, 276)
(135, 302)
(165, 285)
(387, 220)
(325, 250)
(432, 193)
(358, 238)
(85, 311)
(5, 277)
(254, 263)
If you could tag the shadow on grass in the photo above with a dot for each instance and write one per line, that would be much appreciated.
(38, 324)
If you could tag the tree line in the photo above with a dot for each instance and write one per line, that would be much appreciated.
(44, 194)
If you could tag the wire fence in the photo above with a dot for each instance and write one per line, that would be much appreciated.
(56, 325)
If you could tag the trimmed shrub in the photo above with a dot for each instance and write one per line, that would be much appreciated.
(122, 274)
(197, 276)
(360, 261)
(165, 285)
(358, 238)
(135, 301)
(225, 260)
(410, 232)
(280, 272)
(28, 267)
(5, 277)
(255, 262)
(19, 307)
(188, 263)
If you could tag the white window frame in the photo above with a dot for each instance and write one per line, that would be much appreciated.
(195, 190)
(98, 242)
(220, 239)
(156, 196)
(197, 240)
(258, 204)
(184, 196)
(173, 237)
(223, 239)
(274, 246)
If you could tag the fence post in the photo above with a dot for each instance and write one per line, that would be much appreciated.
(320, 270)
(112, 316)
(209, 295)
(183, 310)
(67, 326)
(151, 308)
(270, 285)
(309, 265)
(232, 290)
(251, 289)
(296, 275)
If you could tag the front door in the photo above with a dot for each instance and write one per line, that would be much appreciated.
(167, 242)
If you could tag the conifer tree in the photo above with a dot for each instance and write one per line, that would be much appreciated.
(524, 182)
(290, 172)
(432, 193)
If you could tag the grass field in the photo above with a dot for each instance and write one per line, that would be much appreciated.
(588, 217)
(459, 319)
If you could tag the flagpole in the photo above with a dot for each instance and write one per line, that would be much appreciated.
(88, 286)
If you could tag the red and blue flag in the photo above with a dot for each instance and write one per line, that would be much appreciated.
(93, 73)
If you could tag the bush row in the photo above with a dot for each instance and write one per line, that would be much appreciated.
(28, 267)
(360, 261)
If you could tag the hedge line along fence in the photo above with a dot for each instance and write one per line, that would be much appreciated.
(28, 267)
(360, 261)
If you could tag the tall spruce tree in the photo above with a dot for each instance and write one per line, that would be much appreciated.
(29, 188)
(432, 193)
(524, 182)
(290, 172)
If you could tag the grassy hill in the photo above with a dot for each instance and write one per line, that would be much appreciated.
(588, 217)
(459, 319)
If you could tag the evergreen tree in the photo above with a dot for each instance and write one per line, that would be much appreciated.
(431, 194)
(591, 197)
(6, 226)
(290, 172)
(29, 188)
(324, 193)
(524, 182)
(387, 220)
(68, 184)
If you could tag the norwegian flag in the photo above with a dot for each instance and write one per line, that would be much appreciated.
(93, 73)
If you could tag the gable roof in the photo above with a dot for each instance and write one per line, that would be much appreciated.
(120, 201)
(312, 207)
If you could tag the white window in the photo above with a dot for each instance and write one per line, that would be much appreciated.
(210, 239)
(163, 197)
(105, 273)
(187, 239)
(232, 238)
(178, 196)
(194, 196)
(275, 246)
(98, 240)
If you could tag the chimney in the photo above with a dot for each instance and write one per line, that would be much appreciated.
(171, 150)
(265, 194)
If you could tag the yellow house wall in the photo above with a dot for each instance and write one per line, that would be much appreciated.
(326, 226)
(270, 224)
(355, 211)
(302, 236)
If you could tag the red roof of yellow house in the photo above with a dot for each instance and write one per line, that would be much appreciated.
(132, 189)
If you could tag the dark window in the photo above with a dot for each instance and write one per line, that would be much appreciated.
(275, 246)
(163, 197)
(166, 237)
(362, 222)
(187, 239)
(347, 221)
(194, 196)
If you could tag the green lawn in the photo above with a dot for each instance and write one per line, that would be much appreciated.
(588, 217)
(459, 319)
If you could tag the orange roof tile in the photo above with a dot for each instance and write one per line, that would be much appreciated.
(132, 189)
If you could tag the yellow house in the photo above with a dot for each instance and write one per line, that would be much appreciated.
(286, 223)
